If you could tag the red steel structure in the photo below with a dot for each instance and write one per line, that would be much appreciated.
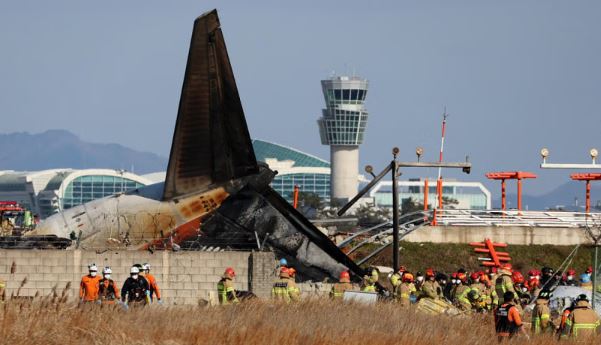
(510, 175)
(295, 200)
(588, 177)
(496, 258)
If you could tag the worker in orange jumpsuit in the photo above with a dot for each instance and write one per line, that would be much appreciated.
(89, 286)
(152, 283)
(108, 291)
(507, 319)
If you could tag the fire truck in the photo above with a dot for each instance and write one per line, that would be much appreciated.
(14, 219)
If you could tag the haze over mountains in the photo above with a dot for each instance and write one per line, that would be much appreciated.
(62, 149)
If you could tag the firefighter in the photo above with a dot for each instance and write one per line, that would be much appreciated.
(344, 284)
(370, 280)
(431, 289)
(585, 282)
(88, 288)
(583, 322)
(541, 314)
(504, 283)
(284, 289)
(406, 291)
(108, 291)
(461, 294)
(135, 289)
(563, 331)
(507, 318)
(152, 283)
(294, 288)
(225, 288)
(570, 279)
(396, 279)
(481, 284)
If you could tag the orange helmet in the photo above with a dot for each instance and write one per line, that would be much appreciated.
(291, 272)
(589, 269)
(402, 268)
(507, 266)
(462, 277)
(345, 275)
(475, 276)
(408, 277)
(229, 272)
(429, 272)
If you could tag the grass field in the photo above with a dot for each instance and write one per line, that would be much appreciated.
(448, 257)
(311, 322)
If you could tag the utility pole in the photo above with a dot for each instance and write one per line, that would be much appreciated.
(594, 231)
(394, 168)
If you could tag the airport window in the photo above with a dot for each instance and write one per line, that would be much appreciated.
(87, 188)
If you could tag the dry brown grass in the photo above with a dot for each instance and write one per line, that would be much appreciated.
(312, 322)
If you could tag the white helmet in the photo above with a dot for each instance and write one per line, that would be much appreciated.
(92, 268)
(107, 270)
(146, 267)
(134, 270)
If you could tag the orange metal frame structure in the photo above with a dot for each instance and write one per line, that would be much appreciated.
(588, 177)
(496, 258)
(510, 175)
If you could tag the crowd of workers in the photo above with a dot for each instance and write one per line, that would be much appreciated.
(502, 292)
(140, 288)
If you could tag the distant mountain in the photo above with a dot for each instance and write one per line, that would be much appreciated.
(63, 149)
(565, 196)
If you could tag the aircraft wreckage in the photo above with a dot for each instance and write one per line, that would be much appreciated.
(213, 182)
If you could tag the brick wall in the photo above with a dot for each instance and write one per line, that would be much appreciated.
(183, 277)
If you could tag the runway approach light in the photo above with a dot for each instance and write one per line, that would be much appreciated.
(545, 153)
(594, 153)
(419, 151)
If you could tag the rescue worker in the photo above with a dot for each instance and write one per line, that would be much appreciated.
(108, 291)
(563, 331)
(583, 322)
(90, 283)
(284, 289)
(225, 288)
(135, 290)
(370, 280)
(344, 284)
(295, 289)
(396, 279)
(541, 314)
(406, 290)
(504, 283)
(507, 318)
(477, 284)
(431, 289)
(448, 291)
(419, 281)
(152, 283)
(282, 263)
(570, 279)
(476, 301)
(547, 280)
(461, 294)
(585, 282)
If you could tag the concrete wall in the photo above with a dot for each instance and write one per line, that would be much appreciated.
(183, 277)
(516, 235)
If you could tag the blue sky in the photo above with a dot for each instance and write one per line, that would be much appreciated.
(514, 75)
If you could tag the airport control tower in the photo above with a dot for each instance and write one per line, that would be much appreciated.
(341, 126)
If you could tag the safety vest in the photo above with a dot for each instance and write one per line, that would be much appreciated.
(339, 288)
(583, 320)
(539, 315)
(501, 286)
(224, 287)
(503, 326)
(280, 290)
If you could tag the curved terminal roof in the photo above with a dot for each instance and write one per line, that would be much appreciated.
(265, 150)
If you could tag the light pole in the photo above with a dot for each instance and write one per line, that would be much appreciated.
(394, 168)
(594, 232)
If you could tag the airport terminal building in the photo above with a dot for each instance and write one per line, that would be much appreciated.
(47, 192)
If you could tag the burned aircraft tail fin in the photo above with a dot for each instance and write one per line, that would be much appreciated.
(211, 143)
